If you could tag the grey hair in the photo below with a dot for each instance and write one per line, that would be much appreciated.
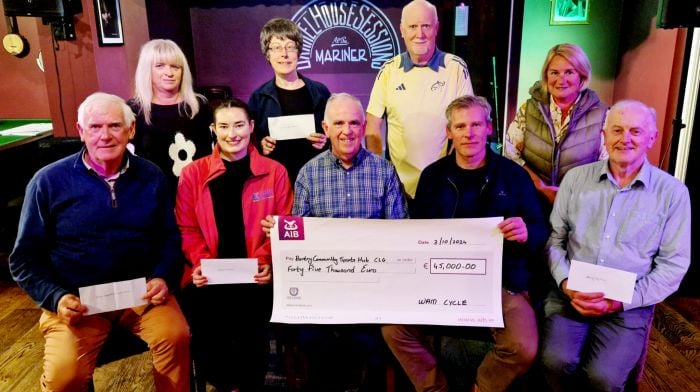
(649, 112)
(100, 98)
(337, 96)
(466, 102)
(414, 3)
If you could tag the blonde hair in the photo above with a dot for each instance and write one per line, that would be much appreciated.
(466, 102)
(574, 55)
(164, 50)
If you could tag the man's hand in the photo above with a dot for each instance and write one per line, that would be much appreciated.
(268, 224)
(198, 279)
(318, 140)
(591, 304)
(70, 310)
(514, 229)
(268, 145)
(156, 291)
(264, 275)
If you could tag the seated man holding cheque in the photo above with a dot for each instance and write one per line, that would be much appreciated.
(346, 181)
(99, 216)
(473, 182)
(625, 214)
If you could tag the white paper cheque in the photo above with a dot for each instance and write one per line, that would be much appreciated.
(229, 271)
(107, 297)
(590, 278)
(427, 271)
(291, 127)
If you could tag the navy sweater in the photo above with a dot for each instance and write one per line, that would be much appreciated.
(74, 231)
(508, 191)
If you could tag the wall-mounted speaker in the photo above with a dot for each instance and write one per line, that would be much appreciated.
(678, 13)
(42, 8)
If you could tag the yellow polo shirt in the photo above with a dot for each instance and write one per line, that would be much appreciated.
(414, 99)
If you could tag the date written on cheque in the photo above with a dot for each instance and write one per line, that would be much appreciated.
(456, 266)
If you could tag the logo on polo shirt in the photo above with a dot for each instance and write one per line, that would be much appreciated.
(291, 228)
(437, 86)
(344, 36)
(401, 87)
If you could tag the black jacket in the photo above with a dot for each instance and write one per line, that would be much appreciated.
(508, 191)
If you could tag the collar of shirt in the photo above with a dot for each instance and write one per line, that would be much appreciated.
(435, 62)
(560, 124)
(114, 176)
(359, 157)
(643, 177)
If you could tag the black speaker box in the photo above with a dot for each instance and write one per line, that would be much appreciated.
(678, 13)
(42, 8)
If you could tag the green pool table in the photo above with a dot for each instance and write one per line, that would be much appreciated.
(9, 141)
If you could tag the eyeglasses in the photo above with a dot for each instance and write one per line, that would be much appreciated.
(291, 48)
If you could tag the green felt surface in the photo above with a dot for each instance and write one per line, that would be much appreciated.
(6, 124)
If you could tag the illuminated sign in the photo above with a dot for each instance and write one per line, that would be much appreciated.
(346, 36)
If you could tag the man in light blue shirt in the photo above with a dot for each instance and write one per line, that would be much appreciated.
(622, 213)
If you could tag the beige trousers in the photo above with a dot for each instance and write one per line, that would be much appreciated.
(70, 352)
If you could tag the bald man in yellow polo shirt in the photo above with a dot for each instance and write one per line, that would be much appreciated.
(413, 89)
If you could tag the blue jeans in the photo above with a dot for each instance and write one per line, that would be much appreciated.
(591, 353)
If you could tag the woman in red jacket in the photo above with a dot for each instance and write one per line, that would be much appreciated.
(221, 200)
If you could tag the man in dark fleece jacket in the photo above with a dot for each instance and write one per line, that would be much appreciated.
(473, 182)
(99, 216)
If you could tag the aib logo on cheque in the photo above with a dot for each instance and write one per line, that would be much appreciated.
(292, 228)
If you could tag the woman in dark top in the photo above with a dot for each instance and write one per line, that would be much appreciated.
(172, 121)
(289, 93)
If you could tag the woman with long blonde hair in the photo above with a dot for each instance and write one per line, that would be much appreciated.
(172, 121)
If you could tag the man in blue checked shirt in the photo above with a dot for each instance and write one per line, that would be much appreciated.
(346, 181)
(625, 214)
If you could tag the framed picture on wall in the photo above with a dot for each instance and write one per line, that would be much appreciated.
(567, 12)
(108, 20)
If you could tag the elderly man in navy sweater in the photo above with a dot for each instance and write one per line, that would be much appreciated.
(98, 216)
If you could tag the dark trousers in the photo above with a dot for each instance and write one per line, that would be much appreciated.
(230, 341)
(342, 357)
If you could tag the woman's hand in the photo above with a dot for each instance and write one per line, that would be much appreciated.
(268, 145)
(264, 275)
(318, 140)
(198, 279)
(267, 224)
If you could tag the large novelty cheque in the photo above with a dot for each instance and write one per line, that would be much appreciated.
(427, 271)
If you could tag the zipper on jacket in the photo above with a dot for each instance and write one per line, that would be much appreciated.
(112, 193)
(481, 192)
(555, 153)
(486, 182)
(454, 208)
